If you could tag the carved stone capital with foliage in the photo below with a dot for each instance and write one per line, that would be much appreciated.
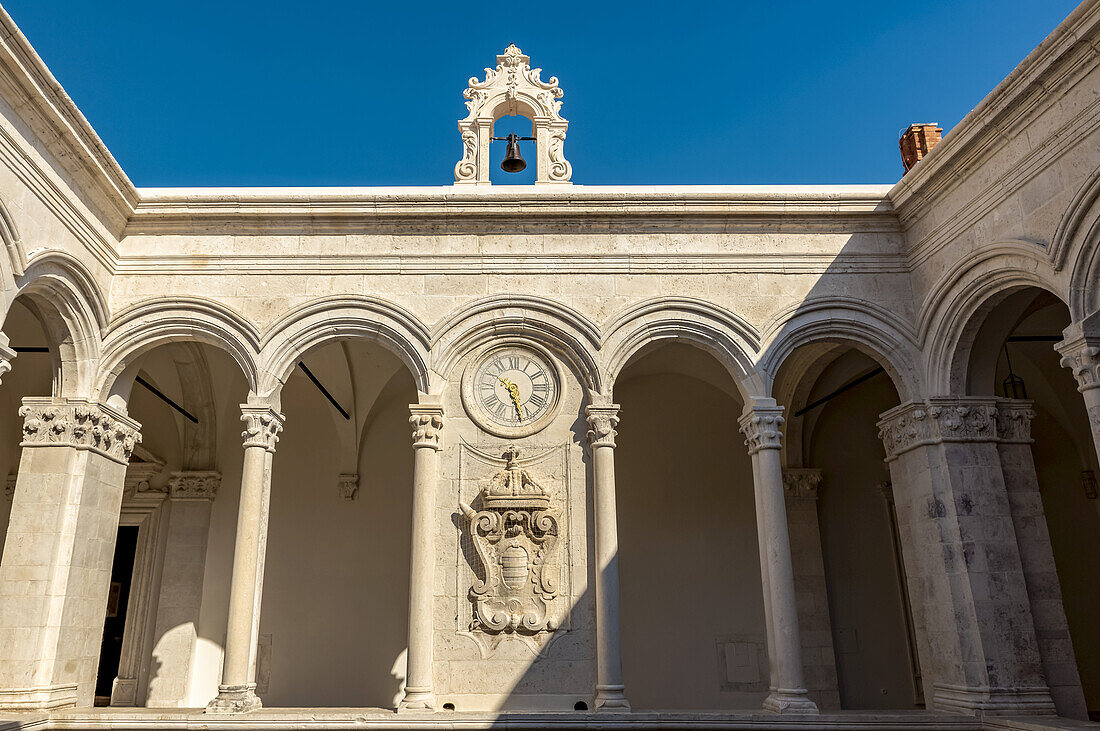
(802, 483)
(1014, 421)
(194, 485)
(427, 426)
(936, 421)
(602, 420)
(79, 424)
(763, 428)
(262, 425)
(1082, 357)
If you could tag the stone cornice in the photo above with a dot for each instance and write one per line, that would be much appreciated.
(1070, 51)
(60, 125)
(54, 422)
(944, 420)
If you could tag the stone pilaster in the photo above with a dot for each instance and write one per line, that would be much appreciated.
(1082, 356)
(1037, 558)
(237, 691)
(610, 690)
(175, 636)
(56, 568)
(762, 426)
(976, 636)
(427, 439)
(801, 487)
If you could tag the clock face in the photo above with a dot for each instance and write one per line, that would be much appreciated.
(511, 391)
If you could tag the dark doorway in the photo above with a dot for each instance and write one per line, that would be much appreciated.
(122, 574)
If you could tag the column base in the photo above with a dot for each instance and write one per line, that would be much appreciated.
(235, 699)
(417, 700)
(43, 698)
(790, 702)
(611, 698)
(1035, 701)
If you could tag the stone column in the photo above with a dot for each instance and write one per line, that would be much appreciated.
(801, 486)
(175, 635)
(1081, 355)
(427, 426)
(237, 691)
(976, 636)
(761, 425)
(610, 695)
(1037, 558)
(56, 569)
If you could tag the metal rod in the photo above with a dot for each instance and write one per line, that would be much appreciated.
(846, 387)
(1036, 339)
(323, 390)
(30, 349)
(153, 390)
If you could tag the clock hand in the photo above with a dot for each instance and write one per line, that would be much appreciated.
(513, 391)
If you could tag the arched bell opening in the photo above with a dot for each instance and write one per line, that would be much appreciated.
(858, 638)
(693, 629)
(334, 614)
(501, 150)
(1010, 355)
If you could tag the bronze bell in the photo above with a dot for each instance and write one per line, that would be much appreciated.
(513, 162)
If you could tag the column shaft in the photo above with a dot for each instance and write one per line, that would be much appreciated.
(761, 426)
(427, 424)
(610, 695)
(237, 691)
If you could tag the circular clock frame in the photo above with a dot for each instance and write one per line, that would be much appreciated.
(475, 410)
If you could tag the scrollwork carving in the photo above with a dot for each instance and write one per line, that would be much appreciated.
(79, 424)
(802, 483)
(1083, 360)
(261, 427)
(194, 485)
(515, 534)
(602, 421)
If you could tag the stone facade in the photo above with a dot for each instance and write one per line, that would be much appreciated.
(498, 327)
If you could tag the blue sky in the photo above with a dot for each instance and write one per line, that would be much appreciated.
(362, 93)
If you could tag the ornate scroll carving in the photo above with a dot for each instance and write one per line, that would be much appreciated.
(261, 426)
(194, 485)
(938, 420)
(515, 534)
(762, 428)
(602, 421)
(79, 424)
(348, 485)
(802, 483)
(513, 88)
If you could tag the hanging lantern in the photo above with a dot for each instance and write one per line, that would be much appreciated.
(1013, 385)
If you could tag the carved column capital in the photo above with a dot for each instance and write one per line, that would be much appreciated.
(802, 483)
(427, 426)
(602, 420)
(762, 427)
(79, 424)
(937, 420)
(7, 355)
(262, 425)
(194, 485)
(1082, 356)
(348, 485)
(1014, 421)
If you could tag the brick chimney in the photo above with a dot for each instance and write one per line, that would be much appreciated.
(917, 141)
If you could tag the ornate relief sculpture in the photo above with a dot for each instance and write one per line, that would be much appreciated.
(513, 88)
(515, 534)
(80, 424)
